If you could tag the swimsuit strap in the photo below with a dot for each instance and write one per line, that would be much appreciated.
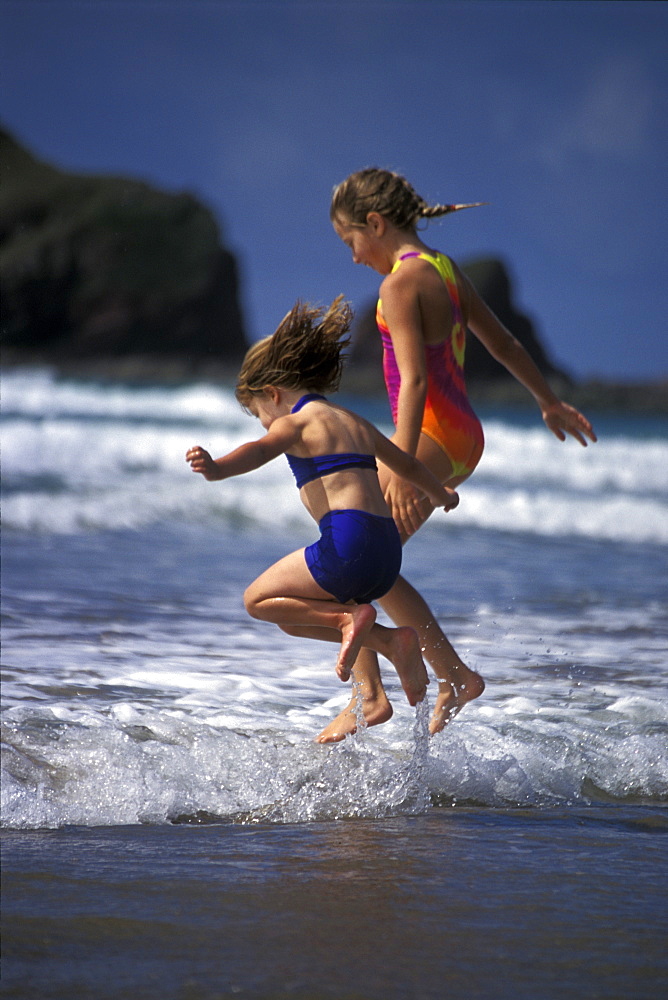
(309, 397)
(443, 265)
(307, 469)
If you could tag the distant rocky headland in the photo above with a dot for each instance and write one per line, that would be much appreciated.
(111, 277)
(107, 267)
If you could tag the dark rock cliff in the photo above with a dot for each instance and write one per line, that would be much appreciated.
(107, 267)
(492, 282)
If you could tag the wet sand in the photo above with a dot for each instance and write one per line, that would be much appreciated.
(475, 903)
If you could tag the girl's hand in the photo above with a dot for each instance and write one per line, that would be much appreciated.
(201, 461)
(453, 499)
(406, 505)
(560, 417)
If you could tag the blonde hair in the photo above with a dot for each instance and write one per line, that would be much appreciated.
(389, 194)
(305, 352)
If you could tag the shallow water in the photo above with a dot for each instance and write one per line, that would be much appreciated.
(136, 689)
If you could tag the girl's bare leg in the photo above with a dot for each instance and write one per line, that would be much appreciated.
(352, 622)
(399, 645)
(287, 595)
(375, 703)
(457, 683)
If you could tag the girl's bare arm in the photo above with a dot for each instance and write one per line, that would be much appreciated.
(401, 310)
(246, 457)
(560, 417)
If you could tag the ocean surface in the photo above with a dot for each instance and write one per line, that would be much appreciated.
(169, 827)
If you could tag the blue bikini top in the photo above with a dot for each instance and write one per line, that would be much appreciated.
(305, 470)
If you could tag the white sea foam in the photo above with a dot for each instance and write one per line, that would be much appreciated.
(40, 394)
(95, 457)
(137, 765)
(215, 718)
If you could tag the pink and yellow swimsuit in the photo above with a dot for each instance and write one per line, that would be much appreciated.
(448, 417)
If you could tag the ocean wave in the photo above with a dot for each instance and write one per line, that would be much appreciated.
(128, 766)
(86, 457)
(534, 457)
(39, 393)
(152, 501)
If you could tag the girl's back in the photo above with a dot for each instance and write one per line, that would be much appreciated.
(327, 428)
(330, 430)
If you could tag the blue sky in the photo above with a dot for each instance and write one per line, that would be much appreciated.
(553, 112)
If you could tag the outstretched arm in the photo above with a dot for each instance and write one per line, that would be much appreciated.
(243, 459)
(246, 457)
(561, 418)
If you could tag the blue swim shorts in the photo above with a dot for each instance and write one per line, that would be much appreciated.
(357, 557)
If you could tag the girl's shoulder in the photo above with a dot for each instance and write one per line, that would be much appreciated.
(421, 263)
(330, 429)
(405, 276)
(417, 274)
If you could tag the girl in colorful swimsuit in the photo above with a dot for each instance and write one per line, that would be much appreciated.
(324, 591)
(426, 305)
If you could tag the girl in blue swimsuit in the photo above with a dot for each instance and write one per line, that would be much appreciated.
(324, 591)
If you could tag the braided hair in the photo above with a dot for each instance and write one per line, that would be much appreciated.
(389, 194)
(304, 352)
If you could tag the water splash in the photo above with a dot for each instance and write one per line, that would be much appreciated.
(359, 706)
(418, 767)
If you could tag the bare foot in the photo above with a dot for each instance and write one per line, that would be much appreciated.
(376, 709)
(360, 619)
(406, 656)
(451, 698)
